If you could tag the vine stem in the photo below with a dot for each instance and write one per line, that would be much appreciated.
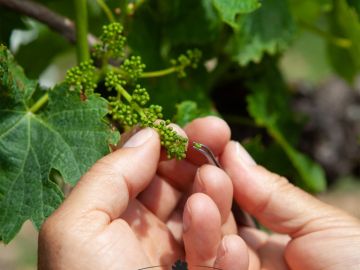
(81, 20)
(159, 73)
(128, 98)
(106, 10)
(337, 41)
(62, 25)
(39, 103)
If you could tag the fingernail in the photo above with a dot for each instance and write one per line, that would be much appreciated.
(186, 219)
(244, 155)
(139, 138)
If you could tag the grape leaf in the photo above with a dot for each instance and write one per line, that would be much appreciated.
(229, 9)
(69, 135)
(188, 110)
(270, 29)
(199, 22)
(345, 23)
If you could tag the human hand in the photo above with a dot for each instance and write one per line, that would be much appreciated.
(104, 224)
(313, 235)
(319, 236)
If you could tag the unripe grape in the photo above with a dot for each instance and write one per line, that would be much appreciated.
(81, 77)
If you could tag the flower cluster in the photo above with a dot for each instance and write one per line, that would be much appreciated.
(129, 108)
(82, 77)
(190, 59)
(134, 67)
(112, 42)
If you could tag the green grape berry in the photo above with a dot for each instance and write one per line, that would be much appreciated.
(174, 144)
(130, 109)
(112, 79)
(112, 42)
(82, 77)
(123, 113)
(140, 95)
(134, 67)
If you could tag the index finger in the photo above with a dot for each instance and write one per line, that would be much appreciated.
(211, 131)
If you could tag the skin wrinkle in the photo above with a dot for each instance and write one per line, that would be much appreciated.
(120, 185)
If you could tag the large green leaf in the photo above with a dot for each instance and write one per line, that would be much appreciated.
(230, 9)
(269, 29)
(69, 135)
(345, 23)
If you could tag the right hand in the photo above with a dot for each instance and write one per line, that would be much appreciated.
(314, 235)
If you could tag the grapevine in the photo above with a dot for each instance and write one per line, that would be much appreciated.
(130, 105)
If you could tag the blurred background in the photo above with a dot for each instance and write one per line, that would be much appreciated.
(283, 73)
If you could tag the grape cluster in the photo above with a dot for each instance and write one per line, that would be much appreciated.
(190, 59)
(112, 79)
(82, 77)
(140, 95)
(174, 144)
(151, 114)
(134, 112)
(134, 67)
(129, 109)
(123, 113)
(112, 42)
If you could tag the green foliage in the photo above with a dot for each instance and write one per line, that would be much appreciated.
(255, 38)
(31, 145)
(229, 9)
(355, 4)
(188, 110)
(231, 35)
(268, 105)
(345, 22)
(125, 108)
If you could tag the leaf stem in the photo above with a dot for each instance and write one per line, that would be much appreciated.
(39, 103)
(106, 10)
(122, 5)
(82, 47)
(159, 73)
(337, 41)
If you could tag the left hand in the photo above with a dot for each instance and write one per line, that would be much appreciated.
(105, 224)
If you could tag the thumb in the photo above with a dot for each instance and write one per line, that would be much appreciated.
(274, 201)
(116, 178)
